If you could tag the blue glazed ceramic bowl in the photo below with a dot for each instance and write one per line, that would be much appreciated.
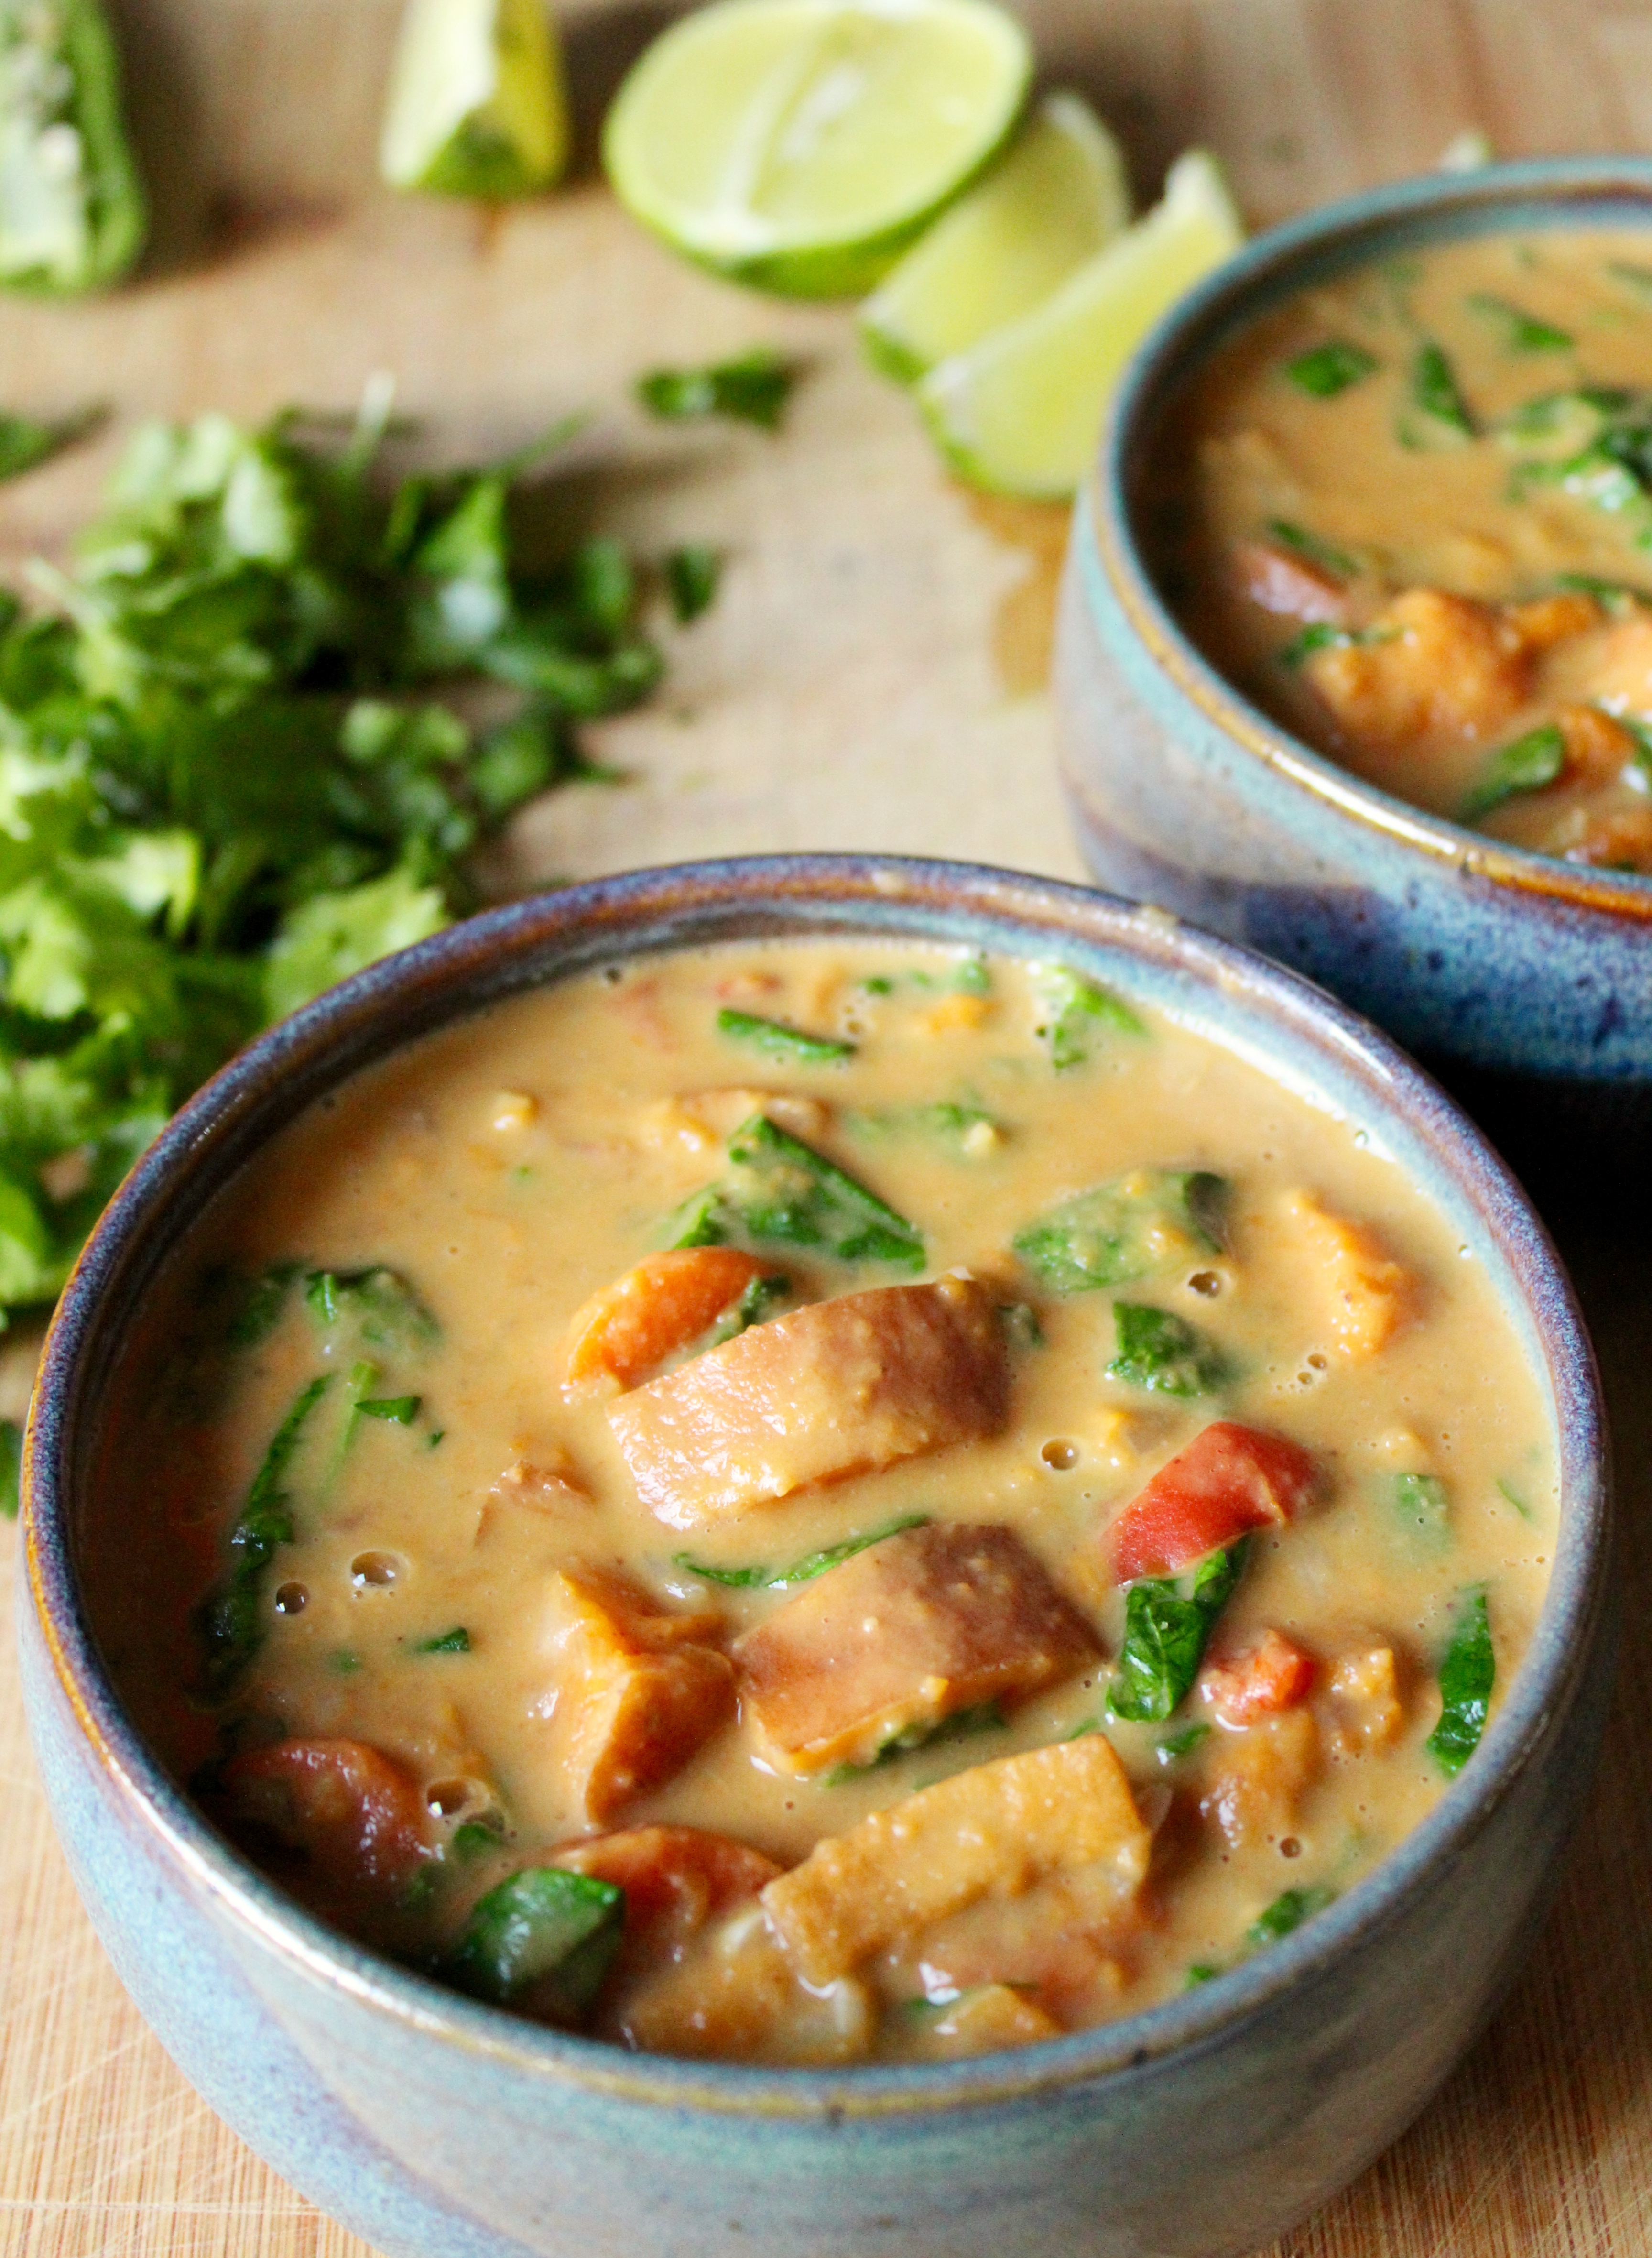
(439, 2128)
(1474, 953)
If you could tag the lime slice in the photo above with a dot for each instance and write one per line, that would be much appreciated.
(1060, 197)
(800, 144)
(477, 105)
(1021, 412)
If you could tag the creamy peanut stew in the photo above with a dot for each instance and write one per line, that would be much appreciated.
(813, 1502)
(1410, 513)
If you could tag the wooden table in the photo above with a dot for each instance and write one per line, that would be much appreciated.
(871, 678)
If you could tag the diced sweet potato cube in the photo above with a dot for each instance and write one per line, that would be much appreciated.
(1292, 588)
(1365, 1701)
(1615, 839)
(1436, 667)
(675, 1879)
(1546, 620)
(1229, 1480)
(737, 1994)
(1598, 749)
(646, 1689)
(359, 1819)
(1620, 672)
(982, 2021)
(1258, 1776)
(835, 1388)
(1274, 1674)
(662, 1304)
(1369, 1295)
(997, 1829)
(1064, 1942)
(902, 1634)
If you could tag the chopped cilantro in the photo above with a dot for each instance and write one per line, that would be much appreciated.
(752, 389)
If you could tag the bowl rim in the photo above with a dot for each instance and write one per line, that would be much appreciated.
(1487, 200)
(544, 938)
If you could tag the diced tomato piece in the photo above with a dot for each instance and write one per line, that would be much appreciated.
(662, 1304)
(1276, 1674)
(1229, 1480)
(357, 1817)
(675, 1879)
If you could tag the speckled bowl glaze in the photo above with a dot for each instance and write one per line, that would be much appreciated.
(438, 2128)
(1476, 953)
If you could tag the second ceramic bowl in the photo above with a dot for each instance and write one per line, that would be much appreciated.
(1480, 956)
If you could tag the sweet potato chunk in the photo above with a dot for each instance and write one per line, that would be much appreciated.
(649, 1689)
(1292, 588)
(902, 1635)
(1598, 749)
(1365, 1707)
(1259, 1776)
(833, 1390)
(997, 1829)
(735, 1993)
(981, 2021)
(675, 1879)
(663, 1304)
(1274, 1674)
(1370, 1296)
(1438, 668)
(1229, 1480)
(358, 1817)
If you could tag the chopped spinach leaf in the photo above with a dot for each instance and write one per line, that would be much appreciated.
(11, 1467)
(1166, 1630)
(1437, 407)
(1309, 546)
(692, 577)
(777, 1041)
(1324, 371)
(1518, 330)
(962, 1725)
(1422, 1504)
(1512, 1496)
(1288, 1911)
(474, 1838)
(1202, 1972)
(1021, 1325)
(755, 1307)
(456, 1641)
(402, 1410)
(1529, 764)
(1468, 1671)
(1139, 1225)
(1174, 1746)
(752, 389)
(344, 1661)
(544, 1930)
(229, 1620)
(1324, 634)
(785, 1192)
(801, 1571)
(1077, 1014)
(385, 1309)
(1158, 1350)
(706, 1220)
(1620, 598)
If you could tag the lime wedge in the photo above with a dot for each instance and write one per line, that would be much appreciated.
(1058, 197)
(477, 105)
(1021, 412)
(800, 144)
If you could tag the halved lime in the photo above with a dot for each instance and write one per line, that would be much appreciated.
(1058, 195)
(477, 106)
(800, 144)
(1021, 412)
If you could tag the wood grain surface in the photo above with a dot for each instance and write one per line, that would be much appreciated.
(871, 677)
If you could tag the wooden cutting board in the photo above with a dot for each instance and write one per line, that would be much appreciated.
(871, 678)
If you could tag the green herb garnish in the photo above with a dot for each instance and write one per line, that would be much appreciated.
(73, 213)
(1421, 1502)
(1139, 1225)
(781, 1191)
(1325, 369)
(754, 388)
(755, 1307)
(692, 577)
(456, 1641)
(1288, 1911)
(1174, 1746)
(1166, 1630)
(1512, 1496)
(801, 1571)
(775, 1039)
(1529, 764)
(401, 1409)
(1158, 1350)
(26, 443)
(962, 1725)
(1439, 409)
(1077, 1014)
(1468, 1671)
(229, 1620)
(1308, 546)
(544, 1930)
(385, 1309)
(1520, 331)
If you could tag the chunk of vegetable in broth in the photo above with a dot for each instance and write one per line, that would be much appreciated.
(1519, 331)
(1468, 1671)
(1324, 371)
(801, 1571)
(546, 1932)
(1437, 413)
(1529, 764)
(1078, 1015)
(228, 1622)
(1287, 1912)
(1158, 1350)
(1167, 1631)
(792, 1046)
(1424, 1507)
(783, 1192)
(384, 1310)
(1139, 1225)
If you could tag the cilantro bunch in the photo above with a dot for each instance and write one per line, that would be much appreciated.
(225, 783)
